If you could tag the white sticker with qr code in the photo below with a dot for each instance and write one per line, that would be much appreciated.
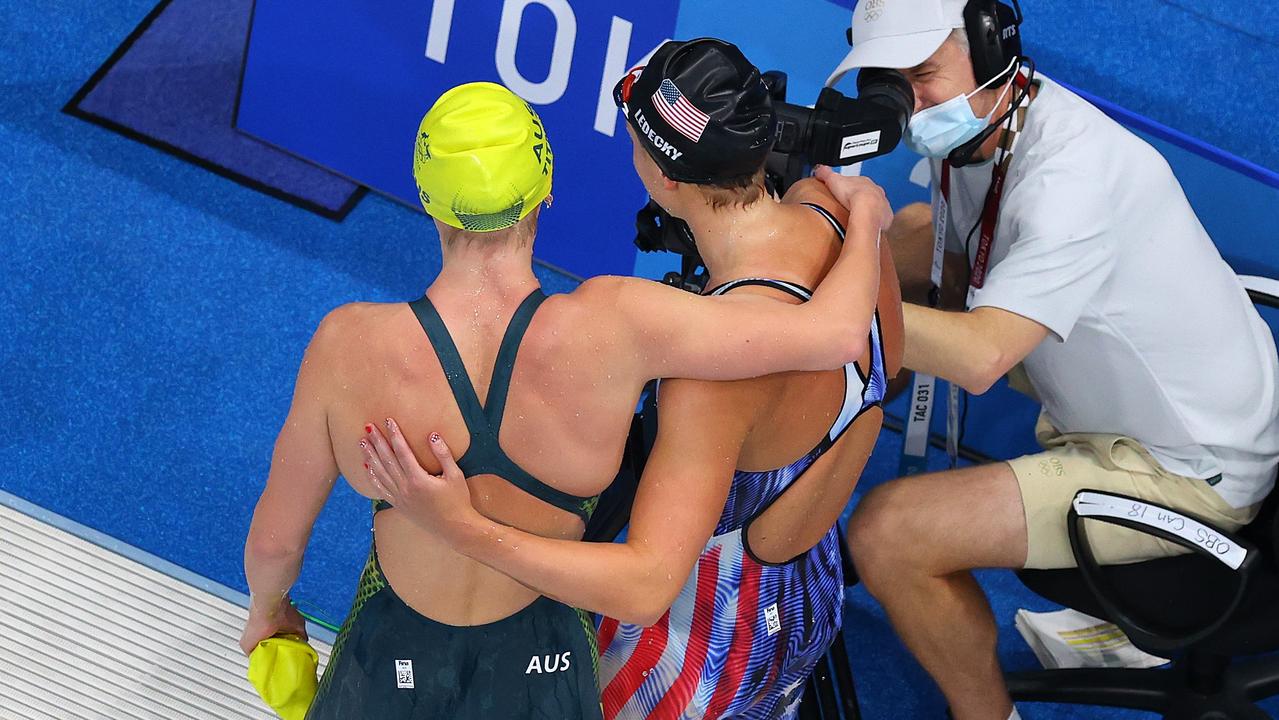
(404, 674)
(772, 619)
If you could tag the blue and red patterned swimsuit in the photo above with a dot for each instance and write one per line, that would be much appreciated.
(743, 635)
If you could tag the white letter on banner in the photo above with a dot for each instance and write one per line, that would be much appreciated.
(619, 43)
(556, 82)
(437, 36)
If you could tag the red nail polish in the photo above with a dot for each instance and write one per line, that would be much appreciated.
(368, 428)
(366, 466)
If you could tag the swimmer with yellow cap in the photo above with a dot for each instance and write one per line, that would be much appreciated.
(536, 393)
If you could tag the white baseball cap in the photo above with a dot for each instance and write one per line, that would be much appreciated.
(898, 33)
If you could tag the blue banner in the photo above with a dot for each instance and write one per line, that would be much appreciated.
(344, 84)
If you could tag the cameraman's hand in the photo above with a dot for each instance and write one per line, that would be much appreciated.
(858, 194)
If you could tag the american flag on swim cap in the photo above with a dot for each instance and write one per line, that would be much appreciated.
(678, 111)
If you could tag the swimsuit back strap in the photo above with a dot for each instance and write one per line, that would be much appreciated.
(504, 366)
(451, 362)
(839, 229)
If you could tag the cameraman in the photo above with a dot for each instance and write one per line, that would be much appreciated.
(1072, 251)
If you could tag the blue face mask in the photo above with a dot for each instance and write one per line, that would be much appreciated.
(936, 131)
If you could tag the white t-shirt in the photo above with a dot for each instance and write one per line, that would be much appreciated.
(1152, 335)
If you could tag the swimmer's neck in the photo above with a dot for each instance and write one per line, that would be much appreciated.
(738, 242)
(499, 273)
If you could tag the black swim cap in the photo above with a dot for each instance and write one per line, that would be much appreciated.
(700, 110)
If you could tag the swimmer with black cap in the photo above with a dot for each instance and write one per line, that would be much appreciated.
(434, 633)
(728, 588)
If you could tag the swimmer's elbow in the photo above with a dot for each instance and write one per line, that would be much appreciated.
(847, 346)
(855, 346)
(645, 597)
(645, 608)
(636, 616)
(265, 547)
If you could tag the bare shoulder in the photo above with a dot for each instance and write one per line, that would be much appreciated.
(814, 191)
(608, 299)
(359, 323)
(605, 288)
(345, 321)
(563, 311)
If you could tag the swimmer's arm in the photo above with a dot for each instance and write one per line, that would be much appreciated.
(677, 505)
(302, 474)
(678, 334)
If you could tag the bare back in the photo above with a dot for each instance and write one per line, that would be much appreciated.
(565, 422)
(792, 411)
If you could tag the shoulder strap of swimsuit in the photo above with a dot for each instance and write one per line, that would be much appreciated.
(839, 229)
(793, 289)
(504, 366)
(488, 452)
(468, 403)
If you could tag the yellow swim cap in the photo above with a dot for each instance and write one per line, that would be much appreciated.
(482, 160)
(282, 668)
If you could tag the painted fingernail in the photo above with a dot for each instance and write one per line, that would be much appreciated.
(435, 437)
(363, 444)
(388, 423)
(368, 428)
(366, 466)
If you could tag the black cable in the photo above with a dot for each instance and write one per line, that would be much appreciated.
(963, 155)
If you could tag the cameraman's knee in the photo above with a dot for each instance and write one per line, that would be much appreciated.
(912, 221)
(911, 239)
(879, 533)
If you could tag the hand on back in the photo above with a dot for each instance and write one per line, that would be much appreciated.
(438, 503)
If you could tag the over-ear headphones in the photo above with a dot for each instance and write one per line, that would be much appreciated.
(994, 36)
(994, 41)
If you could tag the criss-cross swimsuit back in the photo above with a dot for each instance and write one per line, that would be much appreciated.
(540, 661)
(485, 456)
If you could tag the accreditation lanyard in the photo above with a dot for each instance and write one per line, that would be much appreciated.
(923, 393)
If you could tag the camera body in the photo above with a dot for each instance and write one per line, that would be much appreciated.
(837, 130)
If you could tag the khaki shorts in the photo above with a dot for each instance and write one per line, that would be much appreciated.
(1112, 463)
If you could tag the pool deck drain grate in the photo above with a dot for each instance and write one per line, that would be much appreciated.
(87, 632)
